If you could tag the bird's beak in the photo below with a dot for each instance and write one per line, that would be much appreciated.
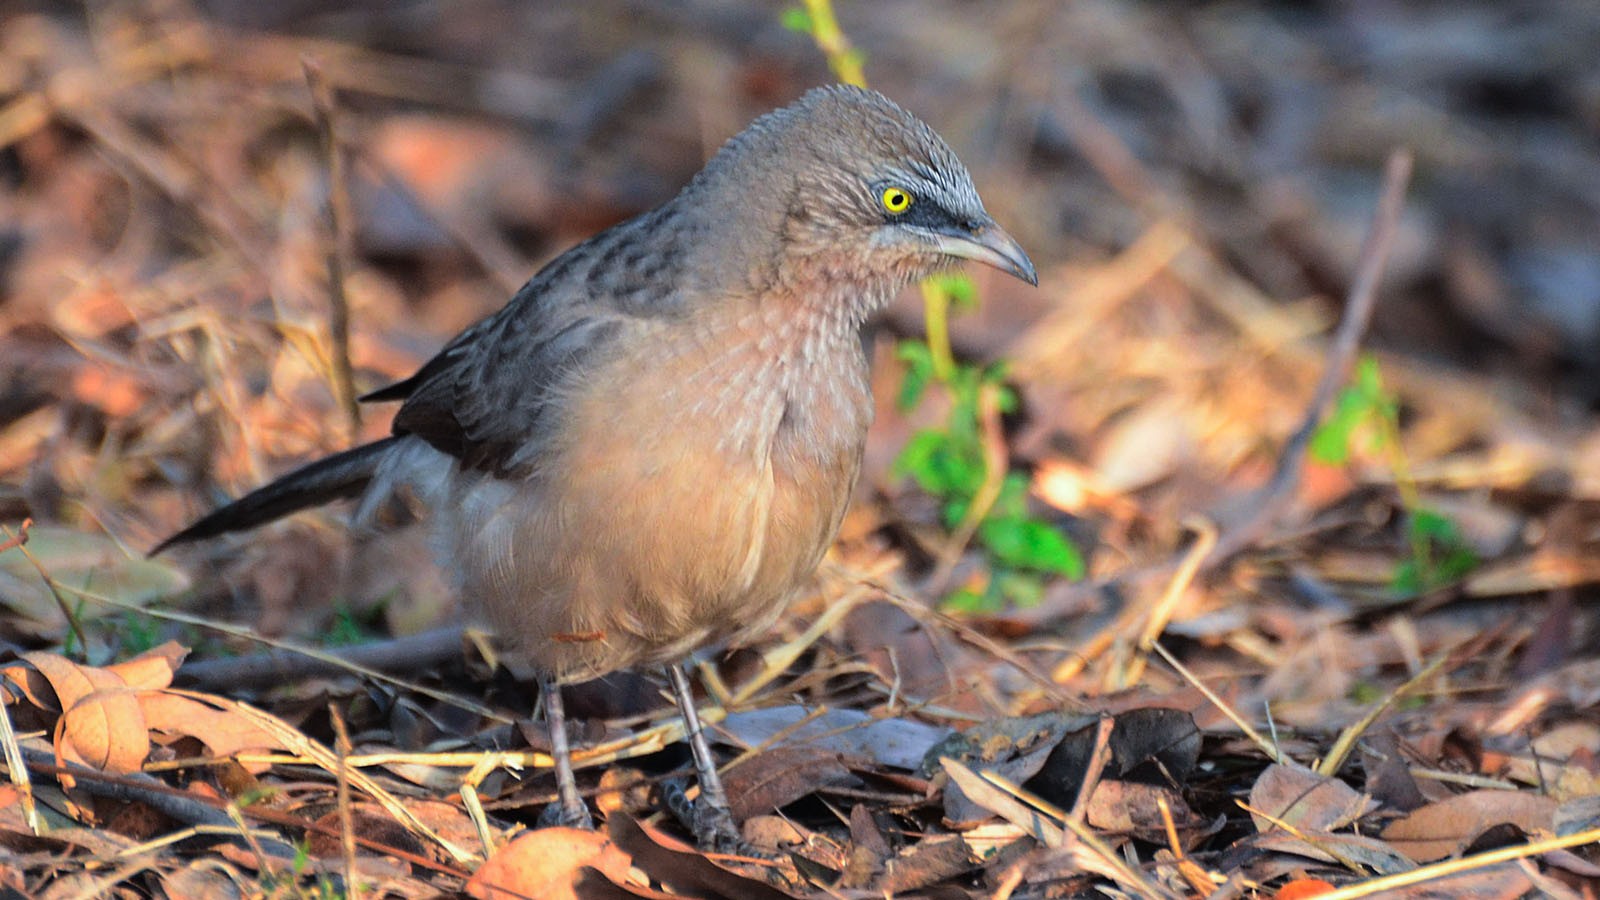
(989, 244)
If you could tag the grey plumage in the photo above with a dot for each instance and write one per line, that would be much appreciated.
(650, 447)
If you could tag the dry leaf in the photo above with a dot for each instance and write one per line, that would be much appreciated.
(223, 731)
(546, 864)
(1450, 826)
(1305, 800)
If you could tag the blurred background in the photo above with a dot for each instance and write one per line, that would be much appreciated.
(1193, 180)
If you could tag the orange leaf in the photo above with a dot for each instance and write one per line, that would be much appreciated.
(224, 732)
(105, 730)
(545, 863)
(153, 668)
(101, 725)
(70, 681)
(1301, 888)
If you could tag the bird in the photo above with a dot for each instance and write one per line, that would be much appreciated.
(648, 450)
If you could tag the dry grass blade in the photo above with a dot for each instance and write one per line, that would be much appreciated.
(1346, 743)
(1205, 540)
(1377, 886)
(327, 760)
(1108, 862)
(340, 223)
(16, 769)
(323, 656)
(1272, 751)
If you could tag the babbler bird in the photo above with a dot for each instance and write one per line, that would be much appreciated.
(649, 449)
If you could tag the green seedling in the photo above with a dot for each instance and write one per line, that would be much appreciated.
(1366, 418)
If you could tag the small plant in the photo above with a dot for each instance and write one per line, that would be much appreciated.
(979, 500)
(1438, 555)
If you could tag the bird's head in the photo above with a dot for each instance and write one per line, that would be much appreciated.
(855, 188)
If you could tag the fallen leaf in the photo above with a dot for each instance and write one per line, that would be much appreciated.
(1128, 807)
(223, 731)
(682, 869)
(1302, 888)
(545, 864)
(1450, 826)
(153, 668)
(1305, 800)
(101, 725)
(776, 778)
(900, 743)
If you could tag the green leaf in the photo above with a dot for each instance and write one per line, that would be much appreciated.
(1425, 523)
(960, 289)
(965, 600)
(919, 373)
(1331, 444)
(1031, 544)
(918, 459)
(1020, 588)
(795, 18)
(1444, 557)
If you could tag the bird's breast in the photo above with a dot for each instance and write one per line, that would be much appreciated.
(697, 489)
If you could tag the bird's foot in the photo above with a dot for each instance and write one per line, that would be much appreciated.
(560, 815)
(712, 826)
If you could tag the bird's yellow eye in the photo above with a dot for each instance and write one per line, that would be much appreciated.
(895, 200)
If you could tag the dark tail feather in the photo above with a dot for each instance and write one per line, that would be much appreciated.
(340, 476)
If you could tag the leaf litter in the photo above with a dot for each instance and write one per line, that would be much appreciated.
(1369, 680)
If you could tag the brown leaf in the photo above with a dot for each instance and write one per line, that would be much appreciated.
(223, 731)
(1128, 807)
(777, 777)
(199, 881)
(546, 863)
(368, 822)
(153, 668)
(1303, 799)
(102, 726)
(1449, 826)
(676, 866)
(70, 681)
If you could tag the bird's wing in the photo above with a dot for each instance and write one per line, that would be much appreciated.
(491, 397)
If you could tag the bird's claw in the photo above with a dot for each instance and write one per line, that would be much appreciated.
(712, 826)
(558, 815)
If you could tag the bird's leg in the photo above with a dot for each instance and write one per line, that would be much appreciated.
(568, 809)
(711, 819)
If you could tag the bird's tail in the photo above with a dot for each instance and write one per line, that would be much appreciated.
(340, 476)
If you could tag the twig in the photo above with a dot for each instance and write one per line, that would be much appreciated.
(207, 814)
(137, 787)
(347, 834)
(1167, 604)
(1346, 742)
(18, 771)
(1098, 757)
(19, 542)
(1270, 748)
(339, 253)
(1377, 886)
(1341, 359)
(418, 652)
(20, 538)
(274, 668)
